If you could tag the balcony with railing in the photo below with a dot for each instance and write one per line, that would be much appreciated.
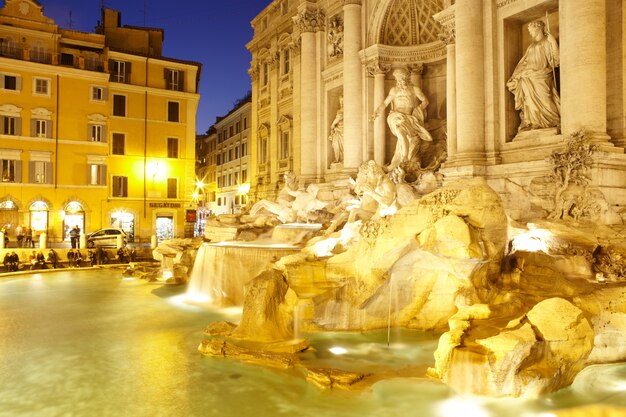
(89, 62)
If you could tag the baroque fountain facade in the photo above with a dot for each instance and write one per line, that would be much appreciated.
(462, 184)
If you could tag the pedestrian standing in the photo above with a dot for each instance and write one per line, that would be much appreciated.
(74, 234)
(19, 234)
(28, 232)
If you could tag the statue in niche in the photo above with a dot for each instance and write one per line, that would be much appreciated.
(335, 38)
(533, 82)
(405, 119)
(336, 134)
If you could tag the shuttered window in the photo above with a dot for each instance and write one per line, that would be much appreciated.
(39, 172)
(117, 147)
(172, 148)
(119, 105)
(172, 187)
(120, 186)
(173, 111)
(11, 170)
(96, 173)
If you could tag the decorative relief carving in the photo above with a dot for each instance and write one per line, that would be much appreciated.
(572, 199)
(335, 37)
(417, 68)
(502, 3)
(310, 21)
(253, 72)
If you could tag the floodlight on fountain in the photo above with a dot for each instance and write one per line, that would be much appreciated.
(338, 350)
(600, 278)
(388, 211)
(537, 240)
(462, 407)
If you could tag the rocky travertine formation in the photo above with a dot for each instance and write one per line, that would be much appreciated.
(521, 310)
(177, 258)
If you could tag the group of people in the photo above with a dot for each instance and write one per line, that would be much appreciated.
(24, 236)
(36, 260)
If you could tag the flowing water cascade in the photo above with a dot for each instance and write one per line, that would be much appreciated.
(222, 269)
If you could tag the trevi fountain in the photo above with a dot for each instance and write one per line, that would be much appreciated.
(489, 236)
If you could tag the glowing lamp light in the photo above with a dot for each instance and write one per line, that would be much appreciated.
(244, 188)
(200, 184)
(337, 350)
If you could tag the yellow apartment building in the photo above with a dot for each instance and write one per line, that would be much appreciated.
(96, 129)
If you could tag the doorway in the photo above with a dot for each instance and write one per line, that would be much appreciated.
(164, 228)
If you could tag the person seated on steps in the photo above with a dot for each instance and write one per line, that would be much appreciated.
(53, 258)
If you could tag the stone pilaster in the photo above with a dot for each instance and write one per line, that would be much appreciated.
(308, 22)
(378, 71)
(352, 85)
(583, 67)
(470, 85)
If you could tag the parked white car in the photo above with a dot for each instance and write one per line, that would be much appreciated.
(105, 237)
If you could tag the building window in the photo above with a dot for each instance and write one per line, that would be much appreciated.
(41, 86)
(263, 150)
(118, 144)
(243, 150)
(10, 125)
(38, 54)
(285, 7)
(244, 175)
(284, 145)
(236, 152)
(98, 93)
(245, 123)
(172, 187)
(172, 111)
(230, 132)
(119, 105)
(97, 174)
(40, 172)
(41, 128)
(10, 170)
(286, 62)
(172, 148)
(120, 186)
(10, 82)
(120, 71)
(174, 80)
(266, 74)
(96, 133)
(67, 59)
(237, 127)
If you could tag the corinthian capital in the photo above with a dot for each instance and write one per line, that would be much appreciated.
(376, 67)
(448, 35)
(309, 20)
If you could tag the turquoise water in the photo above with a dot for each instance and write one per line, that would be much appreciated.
(88, 343)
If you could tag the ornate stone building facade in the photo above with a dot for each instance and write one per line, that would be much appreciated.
(467, 57)
(97, 129)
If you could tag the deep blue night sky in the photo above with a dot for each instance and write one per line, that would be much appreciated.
(212, 32)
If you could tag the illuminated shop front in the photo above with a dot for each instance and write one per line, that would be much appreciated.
(74, 215)
(39, 215)
(125, 221)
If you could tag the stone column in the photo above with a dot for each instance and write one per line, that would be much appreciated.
(352, 85)
(448, 38)
(470, 88)
(378, 71)
(308, 22)
(583, 66)
(416, 75)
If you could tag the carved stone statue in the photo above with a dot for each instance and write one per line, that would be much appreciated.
(405, 119)
(293, 204)
(533, 81)
(335, 38)
(281, 208)
(336, 134)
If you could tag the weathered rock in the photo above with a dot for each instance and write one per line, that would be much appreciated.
(333, 378)
(543, 353)
(267, 310)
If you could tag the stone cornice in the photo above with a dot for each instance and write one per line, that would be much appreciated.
(349, 2)
(446, 19)
(384, 54)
